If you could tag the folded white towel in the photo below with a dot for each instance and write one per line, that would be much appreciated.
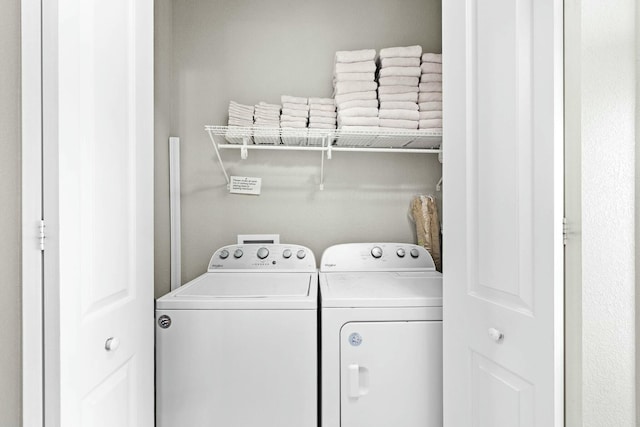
(263, 104)
(293, 106)
(329, 120)
(355, 67)
(358, 103)
(323, 101)
(430, 106)
(399, 123)
(430, 123)
(348, 77)
(398, 81)
(322, 125)
(241, 111)
(243, 123)
(431, 87)
(429, 96)
(358, 112)
(351, 87)
(322, 107)
(355, 55)
(240, 106)
(371, 94)
(397, 89)
(403, 52)
(295, 113)
(431, 67)
(257, 116)
(289, 124)
(413, 97)
(431, 77)
(402, 105)
(400, 72)
(288, 118)
(432, 57)
(399, 114)
(399, 62)
(243, 116)
(293, 99)
(358, 121)
(321, 113)
(426, 115)
(269, 123)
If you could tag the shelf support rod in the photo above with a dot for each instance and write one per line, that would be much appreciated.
(215, 147)
(324, 141)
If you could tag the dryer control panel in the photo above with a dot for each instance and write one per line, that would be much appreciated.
(376, 257)
(263, 257)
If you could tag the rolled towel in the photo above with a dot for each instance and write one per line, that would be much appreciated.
(430, 106)
(431, 87)
(430, 124)
(323, 101)
(358, 121)
(426, 115)
(432, 57)
(355, 67)
(321, 113)
(371, 94)
(402, 52)
(431, 67)
(429, 96)
(399, 123)
(355, 55)
(399, 114)
(358, 103)
(359, 112)
(399, 62)
(322, 125)
(297, 125)
(293, 99)
(327, 120)
(397, 89)
(293, 106)
(413, 97)
(398, 81)
(402, 105)
(400, 72)
(349, 77)
(322, 107)
(430, 77)
(295, 113)
(288, 118)
(343, 88)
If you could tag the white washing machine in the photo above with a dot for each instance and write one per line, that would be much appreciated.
(381, 326)
(237, 346)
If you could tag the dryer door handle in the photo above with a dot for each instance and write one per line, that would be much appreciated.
(358, 381)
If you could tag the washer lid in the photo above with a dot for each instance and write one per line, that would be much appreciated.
(244, 291)
(381, 289)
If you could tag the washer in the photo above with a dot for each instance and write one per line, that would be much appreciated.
(237, 346)
(381, 323)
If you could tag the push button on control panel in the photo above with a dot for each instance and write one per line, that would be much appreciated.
(415, 253)
(224, 254)
(301, 254)
(286, 253)
(401, 253)
(238, 253)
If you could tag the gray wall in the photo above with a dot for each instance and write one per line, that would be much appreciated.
(10, 289)
(252, 51)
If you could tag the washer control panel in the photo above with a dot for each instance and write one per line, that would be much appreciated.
(263, 257)
(376, 257)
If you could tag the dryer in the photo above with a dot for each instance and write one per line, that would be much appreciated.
(237, 346)
(381, 336)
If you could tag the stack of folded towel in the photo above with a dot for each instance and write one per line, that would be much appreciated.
(294, 118)
(355, 89)
(322, 113)
(430, 95)
(398, 92)
(239, 116)
(266, 119)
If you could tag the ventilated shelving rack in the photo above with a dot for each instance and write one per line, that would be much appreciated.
(325, 141)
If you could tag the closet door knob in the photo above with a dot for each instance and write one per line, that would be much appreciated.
(496, 335)
(112, 344)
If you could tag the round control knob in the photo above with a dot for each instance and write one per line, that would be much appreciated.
(263, 253)
(286, 253)
(301, 254)
(401, 253)
(224, 254)
(376, 252)
(415, 253)
(238, 253)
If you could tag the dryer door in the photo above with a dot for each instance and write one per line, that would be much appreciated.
(391, 374)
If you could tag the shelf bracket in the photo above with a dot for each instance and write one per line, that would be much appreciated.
(325, 140)
(217, 150)
(244, 151)
(439, 185)
(329, 151)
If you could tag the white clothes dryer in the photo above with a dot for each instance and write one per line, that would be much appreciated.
(237, 346)
(381, 329)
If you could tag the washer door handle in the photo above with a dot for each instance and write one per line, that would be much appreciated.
(354, 381)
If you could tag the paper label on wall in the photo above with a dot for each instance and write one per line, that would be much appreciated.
(245, 185)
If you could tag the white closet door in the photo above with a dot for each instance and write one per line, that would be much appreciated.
(98, 149)
(503, 250)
